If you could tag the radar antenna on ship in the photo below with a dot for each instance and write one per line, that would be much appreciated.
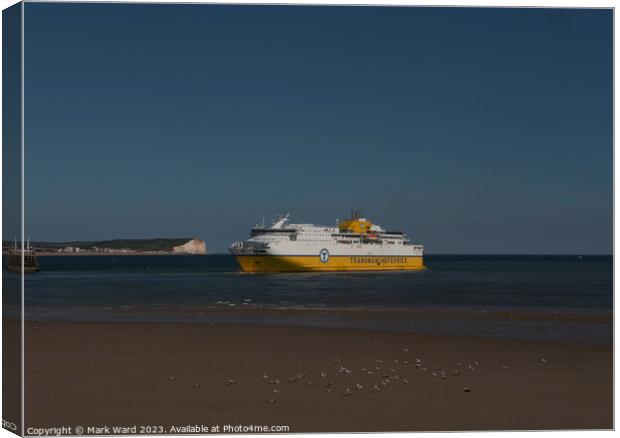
(260, 224)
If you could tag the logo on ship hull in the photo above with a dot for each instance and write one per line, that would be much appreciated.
(324, 255)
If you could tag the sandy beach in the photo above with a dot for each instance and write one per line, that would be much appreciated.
(310, 379)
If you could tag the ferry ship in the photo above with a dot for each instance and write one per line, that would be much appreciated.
(355, 244)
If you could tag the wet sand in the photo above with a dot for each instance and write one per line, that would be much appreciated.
(178, 374)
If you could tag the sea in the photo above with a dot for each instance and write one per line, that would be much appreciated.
(566, 298)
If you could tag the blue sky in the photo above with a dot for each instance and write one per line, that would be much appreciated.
(473, 130)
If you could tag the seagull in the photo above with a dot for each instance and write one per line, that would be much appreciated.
(264, 376)
(405, 380)
(171, 378)
(347, 392)
(406, 350)
(358, 386)
(276, 391)
(270, 400)
(231, 382)
(467, 389)
(310, 383)
(543, 360)
(323, 374)
(505, 368)
(292, 380)
(196, 385)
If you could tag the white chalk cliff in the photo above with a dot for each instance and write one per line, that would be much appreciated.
(194, 246)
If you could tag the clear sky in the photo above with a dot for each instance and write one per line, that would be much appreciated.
(473, 130)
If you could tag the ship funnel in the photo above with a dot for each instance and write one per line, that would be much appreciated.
(279, 223)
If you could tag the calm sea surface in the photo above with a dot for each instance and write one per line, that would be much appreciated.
(541, 297)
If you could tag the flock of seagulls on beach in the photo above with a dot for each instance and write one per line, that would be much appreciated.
(383, 374)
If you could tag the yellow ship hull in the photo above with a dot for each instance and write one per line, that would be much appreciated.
(276, 263)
